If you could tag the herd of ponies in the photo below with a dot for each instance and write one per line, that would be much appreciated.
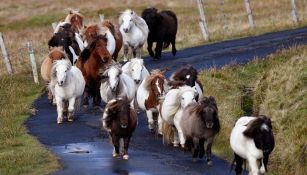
(81, 65)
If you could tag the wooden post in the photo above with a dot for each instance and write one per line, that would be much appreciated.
(202, 21)
(33, 63)
(5, 55)
(101, 17)
(54, 24)
(294, 12)
(249, 13)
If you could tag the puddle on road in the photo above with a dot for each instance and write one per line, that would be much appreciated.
(79, 148)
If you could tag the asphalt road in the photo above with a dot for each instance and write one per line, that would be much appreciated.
(83, 148)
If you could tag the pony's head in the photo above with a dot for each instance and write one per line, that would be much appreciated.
(98, 50)
(60, 70)
(75, 18)
(260, 130)
(187, 95)
(152, 17)
(136, 68)
(207, 110)
(57, 53)
(64, 37)
(186, 74)
(127, 20)
(155, 82)
(119, 109)
(112, 75)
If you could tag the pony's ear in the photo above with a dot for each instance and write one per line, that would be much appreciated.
(52, 42)
(85, 54)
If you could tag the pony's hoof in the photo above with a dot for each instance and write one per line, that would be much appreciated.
(115, 155)
(125, 157)
(151, 126)
(59, 122)
(210, 163)
(85, 106)
(70, 119)
(182, 146)
(176, 144)
(194, 160)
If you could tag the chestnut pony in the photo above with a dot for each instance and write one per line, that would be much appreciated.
(93, 61)
(115, 39)
(75, 18)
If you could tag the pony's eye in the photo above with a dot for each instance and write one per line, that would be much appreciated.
(182, 98)
(130, 20)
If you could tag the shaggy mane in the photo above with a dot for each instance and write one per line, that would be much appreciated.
(156, 73)
(252, 126)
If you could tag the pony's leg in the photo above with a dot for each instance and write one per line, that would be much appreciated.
(59, 103)
(195, 149)
(239, 164)
(85, 97)
(253, 166)
(149, 48)
(160, 124)
(176, 137)
(174, 46)
(134, 52)
(115, 141)
(139, 52)
(264, 162)
(126, 50)
(179, 130)
(150, 119)
(158, 50)
(126, 145)
(208, 151)
(50, 96)
(71, 109)
(201, 148)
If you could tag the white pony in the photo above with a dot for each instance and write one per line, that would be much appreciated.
(135, 32)
(252, 139)
(115, 83)
(136, 69)
(172, 108)
(67, 84)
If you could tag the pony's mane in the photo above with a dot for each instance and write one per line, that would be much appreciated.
(114, 104)
(55, 64)
(72, 12)
(257, 124)
(99, 29)
(113, 65)
(57, 51)
(204, 102)
(139, 22)
(156, 73)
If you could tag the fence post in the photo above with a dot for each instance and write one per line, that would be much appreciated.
(294, 12)
(249, 13)
(33, 63)
(101, 17)
(222, 4)
(202, 21)
(5, 55)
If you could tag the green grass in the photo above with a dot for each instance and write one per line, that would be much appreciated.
(20, 153)
(280, 84)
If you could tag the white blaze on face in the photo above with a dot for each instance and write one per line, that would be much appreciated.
(127, 20)
(188, 76)
(264, 127)
(113, 77)
(158, 87)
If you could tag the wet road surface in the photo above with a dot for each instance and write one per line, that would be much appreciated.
(83, 148)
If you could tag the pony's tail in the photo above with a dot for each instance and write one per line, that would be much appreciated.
(232, 164)
(168, 134)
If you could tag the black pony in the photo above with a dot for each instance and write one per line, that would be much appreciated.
(65, 37)
(162, 29)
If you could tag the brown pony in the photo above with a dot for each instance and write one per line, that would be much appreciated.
(120, 121)
(93, 61)
(149, 95)
(56, 53)
(91, 32)
(75, 19)
(200, 123)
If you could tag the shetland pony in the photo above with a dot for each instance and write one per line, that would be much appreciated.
(188, 75)
(252, 139)
(200, 124)
(171, 111)
(115, 83)
(162, 29)
(149, 94)
(120, 120)
(75, 18)
(135, 31)
(94, 60)
(67, 83)
(56, 53)
(114, 37)
(136, 69)
(65, 37)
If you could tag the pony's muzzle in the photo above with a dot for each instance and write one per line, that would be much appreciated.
(60, 83)
(209, 125)
(123, 125)
(126, 30)
(137, 81)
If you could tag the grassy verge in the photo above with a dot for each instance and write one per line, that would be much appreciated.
(280, 83)
(20, 153)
